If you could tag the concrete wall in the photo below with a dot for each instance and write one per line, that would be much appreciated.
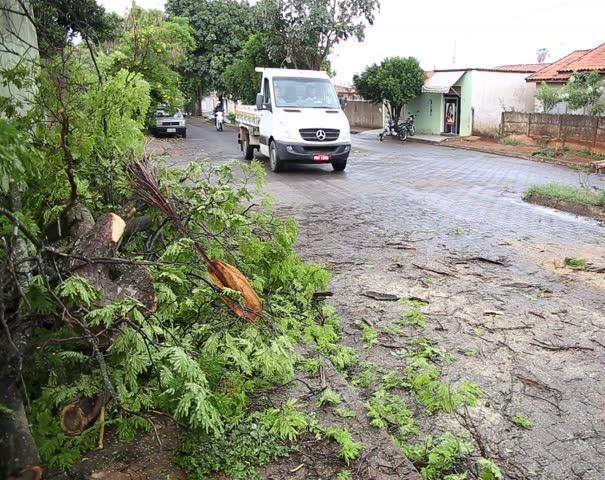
(22, 47)
(585, 130)
(364, 114)
(496, 92)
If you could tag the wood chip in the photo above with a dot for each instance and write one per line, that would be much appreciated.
(493, 312)
(294, 470)
(381, 297)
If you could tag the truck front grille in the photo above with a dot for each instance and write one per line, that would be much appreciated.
(319, 134)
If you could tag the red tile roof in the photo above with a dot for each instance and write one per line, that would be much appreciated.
(593, 60)
(522, 68)
(555, 72)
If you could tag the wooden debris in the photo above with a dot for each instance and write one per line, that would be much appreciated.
(113, 280)
(224, 275)
(493, 312)
(79, 414)
(381, 297)
(29, 472)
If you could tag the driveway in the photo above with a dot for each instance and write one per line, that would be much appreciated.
(450, 227)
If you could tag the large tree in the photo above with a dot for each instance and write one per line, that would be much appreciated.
(221, 28)
(394, 82)
(153, 46)
(304, 32)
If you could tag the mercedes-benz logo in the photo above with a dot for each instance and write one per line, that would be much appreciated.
(321, 135)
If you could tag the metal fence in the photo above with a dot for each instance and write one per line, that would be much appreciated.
(585, 130)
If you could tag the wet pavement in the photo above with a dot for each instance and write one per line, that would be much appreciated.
(450, 226)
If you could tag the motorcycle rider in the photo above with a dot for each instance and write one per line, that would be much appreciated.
(219, 109)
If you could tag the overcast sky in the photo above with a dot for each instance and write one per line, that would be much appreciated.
(466, 33)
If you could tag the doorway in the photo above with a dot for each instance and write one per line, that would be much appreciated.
(451, 114)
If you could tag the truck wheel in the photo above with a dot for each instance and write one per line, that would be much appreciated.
(339, 165)
(275, 163)
(247, 149)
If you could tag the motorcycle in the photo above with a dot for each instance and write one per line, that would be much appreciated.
(395, 129)
(219, 120)
(410, 125)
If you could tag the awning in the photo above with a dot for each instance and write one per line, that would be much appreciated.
(441, 82)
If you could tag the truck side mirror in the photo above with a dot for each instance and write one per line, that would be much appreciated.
(259, 102)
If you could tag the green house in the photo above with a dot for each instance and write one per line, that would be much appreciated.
(471, 101)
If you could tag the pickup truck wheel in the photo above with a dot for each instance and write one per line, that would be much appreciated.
(339, 165)
(247, 149)
(275, 163)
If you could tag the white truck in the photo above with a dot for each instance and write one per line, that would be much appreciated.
(297, 118)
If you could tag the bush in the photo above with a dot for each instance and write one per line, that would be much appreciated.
(570, 193)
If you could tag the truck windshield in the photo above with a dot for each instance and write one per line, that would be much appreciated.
(304, 93)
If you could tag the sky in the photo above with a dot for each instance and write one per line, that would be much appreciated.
(463, 33)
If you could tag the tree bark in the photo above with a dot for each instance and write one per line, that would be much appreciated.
(17, 444)
(79, 414)
(198, 100)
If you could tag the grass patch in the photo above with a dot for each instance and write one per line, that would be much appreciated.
(551, 152)
(510, 141)
(369, 334)
(329, 396)
(592, 155)
(366, 376)
(569, 193)
(575, 262)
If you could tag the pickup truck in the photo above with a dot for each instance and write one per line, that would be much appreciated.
(297, 118)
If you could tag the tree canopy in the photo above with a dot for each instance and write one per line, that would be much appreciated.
(395, 82)
(584, 91)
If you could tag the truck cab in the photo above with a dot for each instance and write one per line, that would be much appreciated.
(298, 119)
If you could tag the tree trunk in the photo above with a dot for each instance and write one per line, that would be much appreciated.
(78, 415)
(17, 444)
(198, 100)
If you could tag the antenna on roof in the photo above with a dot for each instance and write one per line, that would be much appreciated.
(454, 55)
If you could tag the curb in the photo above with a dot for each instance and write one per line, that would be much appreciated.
(522, 156)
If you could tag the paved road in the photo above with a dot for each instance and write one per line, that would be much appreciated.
(542, 354)
(438, 188)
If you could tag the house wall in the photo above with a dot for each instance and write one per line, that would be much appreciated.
(466, 107)
(495, 92)
(16, 48)
(428, 108)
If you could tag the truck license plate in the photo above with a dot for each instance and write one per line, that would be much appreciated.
(171, 130)
(321, 158)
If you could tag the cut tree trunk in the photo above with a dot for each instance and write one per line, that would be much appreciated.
(114, 280)
(78, 415)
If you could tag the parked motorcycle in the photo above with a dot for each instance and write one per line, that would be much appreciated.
(219, 120)
(395, 129)
(410, 125)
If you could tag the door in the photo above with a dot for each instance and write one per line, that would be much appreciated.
(451, 114)
(266, 118)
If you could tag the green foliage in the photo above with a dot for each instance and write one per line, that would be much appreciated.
(78, 291)
(437, 459)
(395, 82)
(329, 396)
(349, 448)
(521, 420)
(241, 80)
(422, 378)
(583, 90)
(366, 376)
(237, 453)
(488, 470)
(575, 262)
(5, 411)
(344, 413)
(310, 366)
(152, 46)
(369, 334)
(286, 422)
(386, 409)
(343, 475)
(571, 193)
(548, 96)
(304, 32)
(414, 317)
(392, 379)
(220, 29)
